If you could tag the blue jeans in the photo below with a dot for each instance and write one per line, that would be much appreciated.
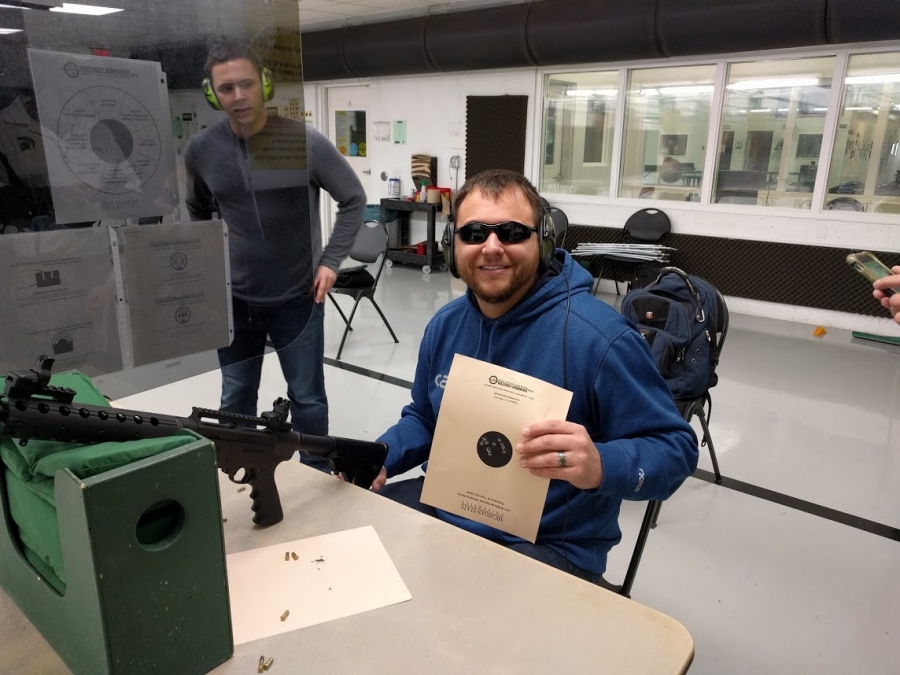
(409, 493)
(297, 332)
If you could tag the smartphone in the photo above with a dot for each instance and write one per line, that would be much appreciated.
(871, 268)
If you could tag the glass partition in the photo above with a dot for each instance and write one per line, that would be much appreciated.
(773, 120)
(112, 142)
(865, 162)
(666, 128)
(579, 122)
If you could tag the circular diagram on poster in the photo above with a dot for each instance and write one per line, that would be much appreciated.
(109, 140)
(494, 449)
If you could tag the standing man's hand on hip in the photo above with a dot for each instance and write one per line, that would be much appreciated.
(323, 282)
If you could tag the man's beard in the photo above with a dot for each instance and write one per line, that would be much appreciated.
(491, 292)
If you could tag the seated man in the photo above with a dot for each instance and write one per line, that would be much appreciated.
(529, 308)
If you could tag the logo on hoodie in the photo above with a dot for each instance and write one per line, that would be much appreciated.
(440, 380)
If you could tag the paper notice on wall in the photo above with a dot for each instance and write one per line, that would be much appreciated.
(59, 300)
(473, 470)
(103, 121)
(174, 280)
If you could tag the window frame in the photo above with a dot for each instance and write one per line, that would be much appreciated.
(817, 212)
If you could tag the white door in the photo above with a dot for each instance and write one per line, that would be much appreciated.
(348, 126)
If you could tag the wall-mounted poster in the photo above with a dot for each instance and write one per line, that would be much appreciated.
(60, 300)
(173, 280)
(809, 146)
(350, 132)
(674, 145)
(105, 123)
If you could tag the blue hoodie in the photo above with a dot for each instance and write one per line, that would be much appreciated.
(646, 448)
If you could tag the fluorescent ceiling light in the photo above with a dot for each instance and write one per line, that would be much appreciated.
(683, 90)
(91, 10)
(784, 110)
(8, 31)
(861, 107)
(13, 7)
(774, 83)
(686, 90)
(758, 110)
(820, 109)
(591, 92)
(873, 79)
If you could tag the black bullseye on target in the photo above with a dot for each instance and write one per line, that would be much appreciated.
(494, 449)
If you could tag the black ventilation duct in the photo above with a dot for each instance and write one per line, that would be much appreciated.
(583, 31)
(558, 32)
(468, 40)
(380, 49)
(863, 20)
(323, 57)
(688, 27)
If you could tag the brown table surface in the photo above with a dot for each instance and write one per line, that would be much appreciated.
(476, 607)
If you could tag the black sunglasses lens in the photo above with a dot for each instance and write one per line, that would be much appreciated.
(513, 233)
(509, 233)
(473, 233)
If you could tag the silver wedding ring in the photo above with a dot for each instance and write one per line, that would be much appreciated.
(561, 457)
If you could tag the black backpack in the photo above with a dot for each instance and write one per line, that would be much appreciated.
(684, 320)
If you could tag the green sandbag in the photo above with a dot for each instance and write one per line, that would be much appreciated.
(31, 470)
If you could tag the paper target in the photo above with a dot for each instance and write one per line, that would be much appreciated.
(109, 140)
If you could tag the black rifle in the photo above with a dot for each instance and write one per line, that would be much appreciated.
(35, 409)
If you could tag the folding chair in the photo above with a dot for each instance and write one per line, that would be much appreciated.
(647, 226)
(560, 222)
(371, 243)
(702, 405)
(648, 522)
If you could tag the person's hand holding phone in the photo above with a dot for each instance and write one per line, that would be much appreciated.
(885, 294)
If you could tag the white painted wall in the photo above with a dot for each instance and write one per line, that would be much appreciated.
(434, 107)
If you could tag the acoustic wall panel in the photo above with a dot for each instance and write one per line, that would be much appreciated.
(495, 133)
(790, 274)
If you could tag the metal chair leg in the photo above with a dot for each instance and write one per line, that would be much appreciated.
(712, 451)
(338, 308)
(655, 515)
(347, 329)
(383, 318)
(638, 549)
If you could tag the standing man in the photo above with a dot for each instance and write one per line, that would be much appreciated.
(529, 308)
(249, 168)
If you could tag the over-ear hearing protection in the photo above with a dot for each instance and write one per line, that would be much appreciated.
(268, 87)
(546, 243)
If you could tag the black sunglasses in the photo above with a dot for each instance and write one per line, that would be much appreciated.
(510, 232)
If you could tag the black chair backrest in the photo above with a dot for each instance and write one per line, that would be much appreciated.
(722, 328)
(560, 224)
(845, 204)
(648, 225)
(371, 242)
